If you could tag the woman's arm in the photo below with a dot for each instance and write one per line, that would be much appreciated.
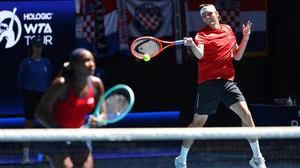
(22, 73)
(99, 87)
(42, 112)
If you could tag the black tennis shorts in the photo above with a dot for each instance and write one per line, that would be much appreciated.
(75, 149)
(210, 93)
(30, 101)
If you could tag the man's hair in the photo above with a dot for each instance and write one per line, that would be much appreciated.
(203, 5)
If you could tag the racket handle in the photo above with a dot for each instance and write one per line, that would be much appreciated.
(178, 42)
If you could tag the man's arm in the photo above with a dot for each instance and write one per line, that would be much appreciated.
(197, 50)
(239, 50)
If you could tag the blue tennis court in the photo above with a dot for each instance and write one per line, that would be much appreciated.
(279, 153)
(161, 154)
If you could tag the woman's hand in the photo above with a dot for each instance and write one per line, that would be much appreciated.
(97, 121)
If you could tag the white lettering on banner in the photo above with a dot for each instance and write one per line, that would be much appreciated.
(47, 39)
(294, 123)
(12, 31)
(38, 28)
(37, 16)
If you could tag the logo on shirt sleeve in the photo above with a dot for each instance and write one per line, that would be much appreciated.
(90, 100)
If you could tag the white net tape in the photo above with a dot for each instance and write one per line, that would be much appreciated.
(128, 134)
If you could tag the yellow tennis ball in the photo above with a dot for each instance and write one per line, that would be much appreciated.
(146, 57)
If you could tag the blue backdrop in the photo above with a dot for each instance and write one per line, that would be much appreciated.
(19, 21)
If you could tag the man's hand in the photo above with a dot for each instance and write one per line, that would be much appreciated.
(188, 41)
(247, 29)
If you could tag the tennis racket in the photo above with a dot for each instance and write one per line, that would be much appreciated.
(116, 103)
(151, 46)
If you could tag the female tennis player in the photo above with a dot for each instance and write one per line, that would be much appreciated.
(72, 95)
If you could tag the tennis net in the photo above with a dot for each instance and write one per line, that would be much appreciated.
(157, 147)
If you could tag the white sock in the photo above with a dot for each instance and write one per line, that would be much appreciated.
(255, 149)
(26, 152)
(183, 154)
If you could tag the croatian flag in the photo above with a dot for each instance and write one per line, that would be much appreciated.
(153, 18)
(234, 13)
(150, 18)
(85, 26)
(124, 20)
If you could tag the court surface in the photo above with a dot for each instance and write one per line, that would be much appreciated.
(161, 155)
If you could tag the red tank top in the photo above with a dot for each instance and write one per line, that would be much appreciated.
(71, 112)
(218, 53)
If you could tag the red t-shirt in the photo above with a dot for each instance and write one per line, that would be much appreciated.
(217, 59)
(71, 112)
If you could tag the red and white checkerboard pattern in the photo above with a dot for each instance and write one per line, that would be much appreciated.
(88, 27)
(231, 17)
(150, 21)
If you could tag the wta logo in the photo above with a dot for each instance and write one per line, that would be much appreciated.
(7, 31)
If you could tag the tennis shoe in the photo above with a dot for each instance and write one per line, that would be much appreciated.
(178, 164)
(26, 160)
(258, 162)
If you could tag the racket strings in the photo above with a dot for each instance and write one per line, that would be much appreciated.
(146, 46)
(115, 105)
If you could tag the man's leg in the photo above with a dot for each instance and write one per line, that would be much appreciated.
(234, 99)
(241, 109)
(207, 101)
(198, 121)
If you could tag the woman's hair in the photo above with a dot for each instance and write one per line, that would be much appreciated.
(75, 54)
(30, 47)
(67, 70)
(30, 50)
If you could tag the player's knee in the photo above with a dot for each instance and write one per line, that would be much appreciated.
(89, 163)
(199, 120)
(67, 163)
(60, 162)
(197, 123)
(246, 115)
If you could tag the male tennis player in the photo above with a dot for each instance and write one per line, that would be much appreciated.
(71, 96)
(215, 46)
